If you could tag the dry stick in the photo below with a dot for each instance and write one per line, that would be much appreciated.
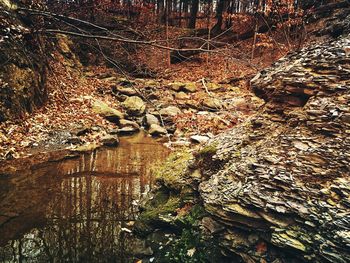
(205, 87)
(167, 31)
(117, 38)
(131, 41)
(208, 47)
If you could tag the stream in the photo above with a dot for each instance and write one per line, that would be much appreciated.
(79, 209)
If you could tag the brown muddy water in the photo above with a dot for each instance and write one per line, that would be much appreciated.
(79, 209)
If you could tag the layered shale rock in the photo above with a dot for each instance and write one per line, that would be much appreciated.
(279, 184)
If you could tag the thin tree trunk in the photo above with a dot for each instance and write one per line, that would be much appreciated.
(185, 10)
(219, 11)
(194, 10)
(167, 7)
(180, 12)
(254, 39)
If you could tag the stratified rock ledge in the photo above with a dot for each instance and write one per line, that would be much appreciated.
(283, 190)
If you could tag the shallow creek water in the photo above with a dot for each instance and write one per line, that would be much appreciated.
(78, 209)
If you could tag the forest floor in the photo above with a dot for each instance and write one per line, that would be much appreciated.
(220, 100)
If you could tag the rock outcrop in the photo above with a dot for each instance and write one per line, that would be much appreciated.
(282, 189)
(22, 72)
(277, 187)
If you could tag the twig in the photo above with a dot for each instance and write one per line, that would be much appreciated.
(205, 87)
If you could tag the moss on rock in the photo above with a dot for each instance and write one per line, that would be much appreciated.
(158, 212)
(209, 149)
(173, 171)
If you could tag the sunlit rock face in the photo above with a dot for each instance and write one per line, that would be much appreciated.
(284, 188)
(79, 209)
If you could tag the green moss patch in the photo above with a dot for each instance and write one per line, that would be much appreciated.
(173, 171)
(159, 211)
(208, 150)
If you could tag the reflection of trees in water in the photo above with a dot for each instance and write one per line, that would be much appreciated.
(93, 204)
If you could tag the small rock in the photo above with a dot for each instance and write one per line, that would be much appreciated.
(125, 90)
(199, 139)
(113, 131)
(212, 103)
(213, 86)
(127, 130)
(126, 123)
(179, 143)
(125, 82)
(107, 112)
(134, 106)
(181, 96)
(170, 111)
(150, 119)
(156, 130)
(110, 140)
(95, 128)
(175, 86)
(190, 87)
(86, 148)
(151, 84)
(180, 86)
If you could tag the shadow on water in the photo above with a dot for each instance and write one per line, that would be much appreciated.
(79, 209)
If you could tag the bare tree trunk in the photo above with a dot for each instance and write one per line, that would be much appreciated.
(185, 10)
(167, 8)
(219, 11)
(254, 39)
(194, 10)
(180, 12)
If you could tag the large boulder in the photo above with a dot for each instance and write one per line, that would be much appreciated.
(170, 111)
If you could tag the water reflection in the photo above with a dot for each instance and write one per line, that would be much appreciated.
(77, 210)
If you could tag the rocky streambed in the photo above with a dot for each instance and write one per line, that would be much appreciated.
(275, 188)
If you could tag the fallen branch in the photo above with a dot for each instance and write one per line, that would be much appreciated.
(111, 36)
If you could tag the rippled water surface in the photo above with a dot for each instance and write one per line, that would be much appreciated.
(78, 209)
